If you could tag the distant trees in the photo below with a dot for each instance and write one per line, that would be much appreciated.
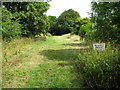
(66, 22)
(28, 19)
(53, 25)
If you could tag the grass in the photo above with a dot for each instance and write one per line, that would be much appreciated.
(29, 63)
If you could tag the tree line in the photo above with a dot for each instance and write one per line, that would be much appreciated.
(25, 19)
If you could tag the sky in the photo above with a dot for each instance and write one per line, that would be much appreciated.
(59, 6)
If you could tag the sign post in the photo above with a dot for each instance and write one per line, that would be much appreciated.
(99, 46)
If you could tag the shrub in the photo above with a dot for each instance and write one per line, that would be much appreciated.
(10, 26)
(86, 31)
(100, 69)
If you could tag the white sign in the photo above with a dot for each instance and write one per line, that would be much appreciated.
(99, 46)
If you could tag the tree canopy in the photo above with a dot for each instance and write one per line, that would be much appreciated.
(66, 21)
(29, 19)
(106, 17)
(31, 16)
(10, 26)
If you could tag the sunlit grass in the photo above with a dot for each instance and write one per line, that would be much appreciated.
(29, 63)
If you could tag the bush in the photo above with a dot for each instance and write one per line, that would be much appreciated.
(10, 26)
(86, 31)
(100, 69)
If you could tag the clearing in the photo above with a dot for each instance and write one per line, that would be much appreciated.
(45, 64)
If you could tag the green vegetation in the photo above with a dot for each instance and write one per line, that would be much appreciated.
(42, 64)
(33, 57)
(86, 30)
(8, 21)
(105, 16)
(53, 25)
(29, 20)
(100, 69)
(66, 22)
(30, 15)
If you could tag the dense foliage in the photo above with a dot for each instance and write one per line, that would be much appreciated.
(66, 22)
(10, 26)
(106, 17)
(36, 21)
(100, 69)
(30, 15)
(86, 30)
(32, 20)
(53, 25)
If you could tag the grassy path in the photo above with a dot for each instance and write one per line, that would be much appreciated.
(47, 64)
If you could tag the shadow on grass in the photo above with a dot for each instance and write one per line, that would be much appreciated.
(62, 54)
(70, 56)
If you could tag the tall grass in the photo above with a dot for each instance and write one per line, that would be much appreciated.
(16, 48)
(35, 64)
(15, 53)
(13, 48)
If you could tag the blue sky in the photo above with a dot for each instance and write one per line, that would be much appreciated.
(59, 6)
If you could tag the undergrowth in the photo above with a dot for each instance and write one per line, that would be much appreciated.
(100, 69)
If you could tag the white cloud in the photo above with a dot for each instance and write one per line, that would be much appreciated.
(59, 6)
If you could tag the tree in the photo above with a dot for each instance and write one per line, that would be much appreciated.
(86, 30)
(79, 22)
(52, 21)
(66, 21)
(10, 26)
(106, 17)
(31, 16)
